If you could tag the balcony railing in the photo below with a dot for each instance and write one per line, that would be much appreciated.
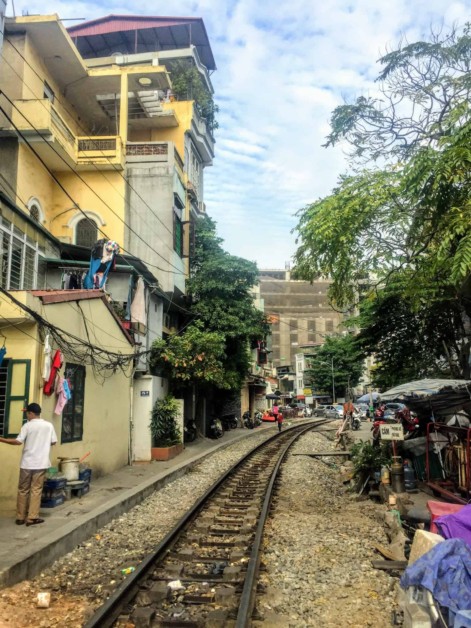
(39, 119)
(103, 151)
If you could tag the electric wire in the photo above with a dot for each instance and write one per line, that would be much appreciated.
(177, 271)
(80, 126)
(163, 295)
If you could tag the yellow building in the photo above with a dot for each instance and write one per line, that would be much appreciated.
(94, 141)
(96, 419)
(105, 131)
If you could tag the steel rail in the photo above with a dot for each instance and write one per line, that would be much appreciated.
(247, 599)
(109, 612)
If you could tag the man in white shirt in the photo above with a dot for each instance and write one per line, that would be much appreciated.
(37, 436)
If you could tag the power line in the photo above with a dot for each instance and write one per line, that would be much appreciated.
(177, 271)
(85, 134)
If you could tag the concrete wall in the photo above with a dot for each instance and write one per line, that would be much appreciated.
(302, 315)
(106, 402)
(151, 185)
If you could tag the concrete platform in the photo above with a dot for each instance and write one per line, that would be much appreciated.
(25, 552)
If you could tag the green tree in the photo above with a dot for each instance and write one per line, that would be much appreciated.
(195, 356)
(403, 228)
(338, 356)
(187, 84)
(221, 287)
(214, 350)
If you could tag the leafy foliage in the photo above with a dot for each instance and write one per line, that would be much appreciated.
(214, 350)
(399, 236)
(347, 365)
(163, 427)
(368, 459)
(188, 84)
(195, 356)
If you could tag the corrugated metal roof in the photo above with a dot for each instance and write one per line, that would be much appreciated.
(115, 23)
(171, 28)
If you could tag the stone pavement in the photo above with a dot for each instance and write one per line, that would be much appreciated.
(25, 552)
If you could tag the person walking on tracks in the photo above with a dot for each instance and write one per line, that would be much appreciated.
(275, 411)
(37, 436)
(279, 418)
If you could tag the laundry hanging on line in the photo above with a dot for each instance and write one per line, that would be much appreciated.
(102, 260)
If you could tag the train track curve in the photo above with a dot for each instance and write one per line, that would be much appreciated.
(204, 572)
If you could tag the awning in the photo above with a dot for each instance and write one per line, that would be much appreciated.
(272, 396)
(300, 397)
(440, 396)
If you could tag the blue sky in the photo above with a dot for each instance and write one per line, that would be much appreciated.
(282, 68)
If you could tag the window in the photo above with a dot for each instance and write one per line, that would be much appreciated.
(86, 232)
(19, 258)
(177, 235)
(72, 415)
(14, 387)
(34, 212)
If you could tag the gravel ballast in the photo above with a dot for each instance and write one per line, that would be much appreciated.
(317, 551)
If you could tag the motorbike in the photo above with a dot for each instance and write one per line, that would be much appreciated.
(409, 422)
(229, 422)
(355, 421)
(257, 418)
(307, 412)
(247, 420)
(189, 431)
(215, 429)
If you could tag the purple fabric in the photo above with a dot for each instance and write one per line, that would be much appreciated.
(457, 526)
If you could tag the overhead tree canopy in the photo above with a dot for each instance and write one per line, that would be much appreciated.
(404, 227)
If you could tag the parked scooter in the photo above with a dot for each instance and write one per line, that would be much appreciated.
(229, 422)
(257, 418)
(307, 412)
(409, 422)
(247, 420)
(355, 421)
(189, 431)
(215, 429)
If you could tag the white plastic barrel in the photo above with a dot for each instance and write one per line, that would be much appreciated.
(70, 468)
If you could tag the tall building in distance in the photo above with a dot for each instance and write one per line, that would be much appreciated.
(299, 312)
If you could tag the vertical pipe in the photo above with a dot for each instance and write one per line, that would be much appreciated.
(333, 383)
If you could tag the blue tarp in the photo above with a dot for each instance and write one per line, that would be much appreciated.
(445, 571)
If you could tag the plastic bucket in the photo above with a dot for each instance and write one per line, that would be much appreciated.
(70, 468)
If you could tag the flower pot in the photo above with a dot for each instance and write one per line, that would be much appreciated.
(166, 453)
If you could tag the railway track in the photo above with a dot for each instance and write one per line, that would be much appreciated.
(204, 572)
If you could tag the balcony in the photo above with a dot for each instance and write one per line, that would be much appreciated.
(103, 151)
(40, 124)
(164, 152)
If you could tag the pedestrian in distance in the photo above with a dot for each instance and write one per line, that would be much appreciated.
(36, 436)
(279, 418)
(275, 411)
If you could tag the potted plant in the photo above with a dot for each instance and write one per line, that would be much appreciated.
(165, 433)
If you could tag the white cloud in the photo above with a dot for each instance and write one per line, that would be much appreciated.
(282, 68)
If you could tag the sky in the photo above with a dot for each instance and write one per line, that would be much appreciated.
(282, 69)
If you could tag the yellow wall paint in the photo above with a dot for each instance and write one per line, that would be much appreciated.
(184, 111)
(33, 180)
(110, 197)
(106, 409)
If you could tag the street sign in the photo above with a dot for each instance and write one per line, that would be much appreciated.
(391, 432)
(308, 391)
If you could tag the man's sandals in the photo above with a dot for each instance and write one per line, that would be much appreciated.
(32, 522)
